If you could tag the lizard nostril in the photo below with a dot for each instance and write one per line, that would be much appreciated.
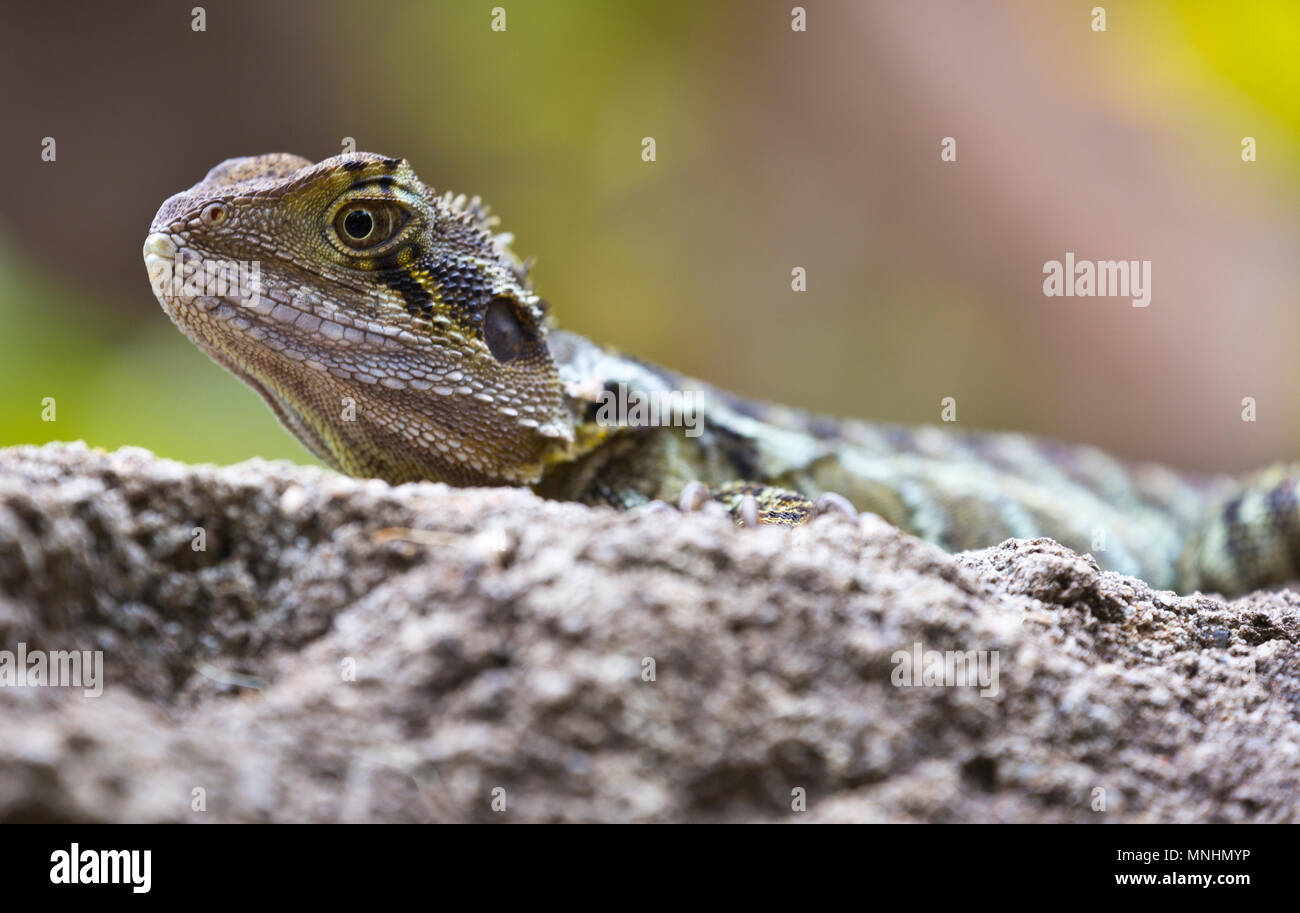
(213, 214)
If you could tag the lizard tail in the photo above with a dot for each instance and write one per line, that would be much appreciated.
(1249, 537)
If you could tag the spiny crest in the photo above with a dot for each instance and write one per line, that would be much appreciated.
(473, 211)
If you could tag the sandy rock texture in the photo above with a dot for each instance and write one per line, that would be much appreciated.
(515, 659)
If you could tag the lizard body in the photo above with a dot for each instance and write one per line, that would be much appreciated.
(393, 331)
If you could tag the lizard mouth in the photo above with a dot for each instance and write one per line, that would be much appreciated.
(159, 258)
(205, 295)
(180, 278)
(158, 246)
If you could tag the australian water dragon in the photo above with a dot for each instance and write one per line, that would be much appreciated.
(391, 329)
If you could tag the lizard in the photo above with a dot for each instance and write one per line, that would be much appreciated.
(393, 331)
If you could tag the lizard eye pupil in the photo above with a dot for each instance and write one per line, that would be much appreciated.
(358, 224)
(501, 330)
(369, 225)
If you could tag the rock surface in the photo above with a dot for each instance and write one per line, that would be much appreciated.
(316, 661)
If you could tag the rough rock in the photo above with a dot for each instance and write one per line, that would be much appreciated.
(344, 650)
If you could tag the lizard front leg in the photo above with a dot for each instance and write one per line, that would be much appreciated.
(662, 466)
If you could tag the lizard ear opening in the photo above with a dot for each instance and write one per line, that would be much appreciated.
(503, 331)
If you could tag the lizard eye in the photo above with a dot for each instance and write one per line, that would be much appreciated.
(362, 226)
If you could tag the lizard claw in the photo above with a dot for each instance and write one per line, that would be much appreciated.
(747, 511)
(693, 497)
(652, 507)
(831, 503)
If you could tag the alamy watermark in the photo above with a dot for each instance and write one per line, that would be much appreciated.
(947, 669)
(25, 668)
(623, 408)
(1098, 279)
(77, 866)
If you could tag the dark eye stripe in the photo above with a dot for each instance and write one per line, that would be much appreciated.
(381, 185)
(398, 277)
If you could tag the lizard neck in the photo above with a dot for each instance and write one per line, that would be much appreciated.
(587, 371)
(692, 432)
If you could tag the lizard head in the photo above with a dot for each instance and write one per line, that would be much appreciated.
(390, 329)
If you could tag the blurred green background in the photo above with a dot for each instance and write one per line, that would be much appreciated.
(775, 149)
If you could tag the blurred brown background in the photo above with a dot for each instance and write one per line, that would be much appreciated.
(775, 149)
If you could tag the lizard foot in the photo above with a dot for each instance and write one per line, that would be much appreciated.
(752, 504)
(693, 497)
(828, 502)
